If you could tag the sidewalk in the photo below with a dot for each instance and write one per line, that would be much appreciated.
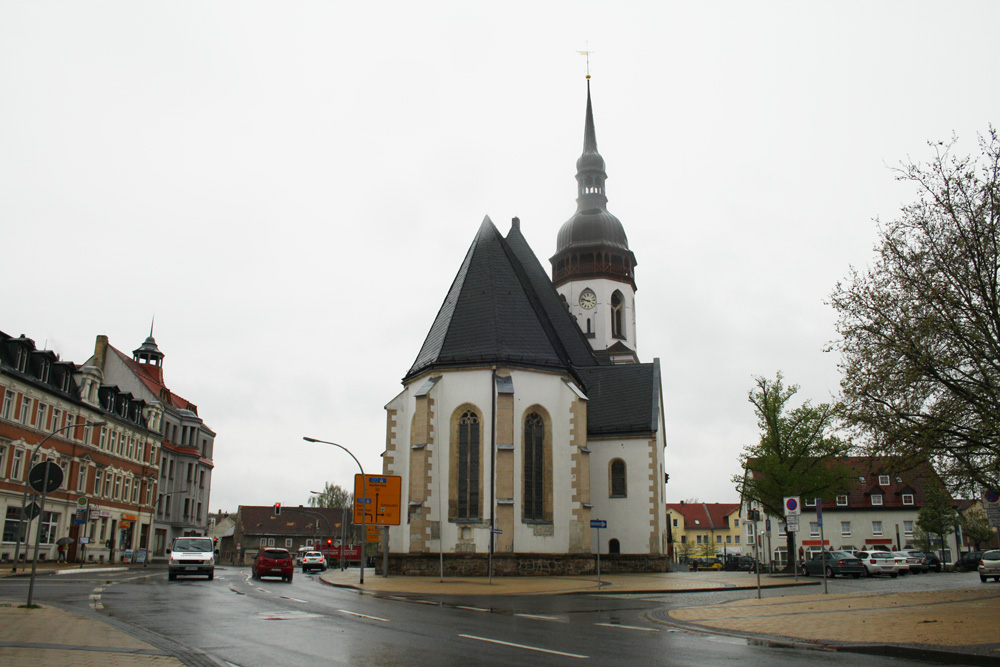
(47, 636)
(960, 626)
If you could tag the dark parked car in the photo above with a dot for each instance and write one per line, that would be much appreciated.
(969, 561)
(740, 564)
(933, 562)
(272, 562)
(834, 562)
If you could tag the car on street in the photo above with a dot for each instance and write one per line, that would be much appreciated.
(191, 555)
(698, 564)
(313, 560)
(989, 566)
(273, 562)
(878, 563)
(969, 560)
(914, 560)
(834, 563)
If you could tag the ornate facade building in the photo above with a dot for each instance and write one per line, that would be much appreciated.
(106, 441)
(185, 473)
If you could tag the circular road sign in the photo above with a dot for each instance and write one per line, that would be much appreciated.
(791, 504)
(992, 496)
(45, 477)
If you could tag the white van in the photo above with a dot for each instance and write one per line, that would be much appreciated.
(192, 555)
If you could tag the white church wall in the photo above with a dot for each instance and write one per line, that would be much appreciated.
(629, 517)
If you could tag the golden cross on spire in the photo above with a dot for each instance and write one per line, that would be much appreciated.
(587, 54)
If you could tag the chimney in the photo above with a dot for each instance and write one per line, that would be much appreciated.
(100, 351)
(515, 222)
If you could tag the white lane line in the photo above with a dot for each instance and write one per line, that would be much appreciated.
(354, 613)
(285, 597)
(540, 618)
(627, 627)
(525, 646)
(472, 608)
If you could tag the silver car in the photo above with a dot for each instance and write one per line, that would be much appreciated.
(989, 566)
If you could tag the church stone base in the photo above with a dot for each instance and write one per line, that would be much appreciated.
(521, 565)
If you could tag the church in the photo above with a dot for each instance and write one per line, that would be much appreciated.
(528, 436)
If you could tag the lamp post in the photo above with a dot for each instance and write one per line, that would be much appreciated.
(24, 496)
(41, 516)
(364, 493)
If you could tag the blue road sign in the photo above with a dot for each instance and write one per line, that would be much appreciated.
(598, 523)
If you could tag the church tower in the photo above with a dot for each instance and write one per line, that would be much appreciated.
(593, 268)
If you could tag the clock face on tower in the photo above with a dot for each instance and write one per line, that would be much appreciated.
(588, 299)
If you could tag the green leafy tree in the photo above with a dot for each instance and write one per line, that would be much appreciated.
(920, 329)
(976, 526)
(332, 495)
(922, 540)
(798, 454)
(937, 517)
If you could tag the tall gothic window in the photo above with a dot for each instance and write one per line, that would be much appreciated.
(534, 467)
(468, 466)
(618, 489)
(617, 315)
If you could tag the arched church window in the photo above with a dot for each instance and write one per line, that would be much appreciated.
(534, 467)
(468, 466)
(618, 488)
(614, 547)
(617, 315)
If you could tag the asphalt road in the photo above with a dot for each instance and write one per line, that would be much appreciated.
(269, 622)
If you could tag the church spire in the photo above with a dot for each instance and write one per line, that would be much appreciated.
(590, 174)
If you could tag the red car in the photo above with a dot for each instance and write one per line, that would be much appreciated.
(271, 562)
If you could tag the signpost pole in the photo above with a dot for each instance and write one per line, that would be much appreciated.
(822, 541)
(38, 535)
(598, 557)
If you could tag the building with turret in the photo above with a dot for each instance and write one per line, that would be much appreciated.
(528, 435)
(185, 473)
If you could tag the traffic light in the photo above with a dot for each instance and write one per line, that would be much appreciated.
(329, 542)
(277, 509)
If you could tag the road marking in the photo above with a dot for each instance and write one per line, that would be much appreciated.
(473, 608)
(285, 597)
(540, 618)
(354, 613)
(627, 627)
(525, 646)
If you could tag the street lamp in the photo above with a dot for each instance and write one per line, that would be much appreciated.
(24, 497)
(364, 495)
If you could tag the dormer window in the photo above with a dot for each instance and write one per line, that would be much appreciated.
(876, 499)
(841, 501)
(810, 502)
(43, 370)
(883, 480)
(22, 359)
(907, 498)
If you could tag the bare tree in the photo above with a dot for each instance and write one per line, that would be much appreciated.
(920, 330)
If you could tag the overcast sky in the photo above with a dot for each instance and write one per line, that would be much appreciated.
(290, 187)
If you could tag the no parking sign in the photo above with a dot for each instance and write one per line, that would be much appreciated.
(792, 506)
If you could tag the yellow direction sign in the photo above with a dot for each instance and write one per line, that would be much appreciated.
(374, 533)
(379, 497)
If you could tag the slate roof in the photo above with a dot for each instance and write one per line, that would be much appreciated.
(624, 399)
(152, 377)
(904, 479)
(502, 308)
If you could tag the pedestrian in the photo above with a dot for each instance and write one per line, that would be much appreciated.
(62, 553)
